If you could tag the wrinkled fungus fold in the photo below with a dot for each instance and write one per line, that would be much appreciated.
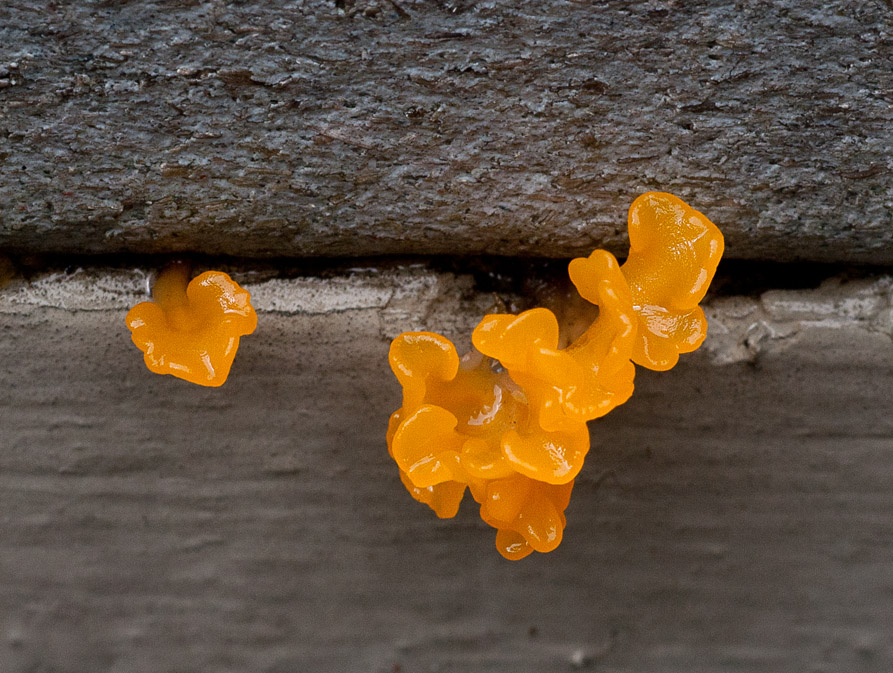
(191, 329)
(508, 420)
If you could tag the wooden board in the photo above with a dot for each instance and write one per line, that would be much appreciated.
(735, 515)
(370, 127)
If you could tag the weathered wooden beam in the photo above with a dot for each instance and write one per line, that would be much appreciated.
(365, 127)
(736, 514)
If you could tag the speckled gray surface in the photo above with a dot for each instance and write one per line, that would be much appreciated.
(736, 514)
(364, 127)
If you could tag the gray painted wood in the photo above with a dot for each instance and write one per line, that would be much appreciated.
(365, 127)
(735, 515)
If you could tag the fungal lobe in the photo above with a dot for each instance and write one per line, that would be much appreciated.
(191, 330)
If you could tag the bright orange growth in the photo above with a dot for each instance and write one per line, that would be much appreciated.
(673, 255)
(192, 331)
(508, 420)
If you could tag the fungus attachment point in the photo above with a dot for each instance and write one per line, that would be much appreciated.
(7, 271)
(515, 434)
(192, 328)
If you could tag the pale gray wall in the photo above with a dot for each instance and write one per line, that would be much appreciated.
(735, 515)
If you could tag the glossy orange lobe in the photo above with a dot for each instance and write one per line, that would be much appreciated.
(673, 254)
(192, 330)
(508, 420)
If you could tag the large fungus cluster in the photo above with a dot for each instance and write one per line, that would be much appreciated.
(508, 419)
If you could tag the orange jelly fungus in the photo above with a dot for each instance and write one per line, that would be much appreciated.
(192, 330)
(508, 420)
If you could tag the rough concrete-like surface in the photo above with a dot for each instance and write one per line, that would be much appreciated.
(735, 515)
(365, 127)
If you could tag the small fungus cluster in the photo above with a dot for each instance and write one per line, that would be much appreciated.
(192, 330)
(508, 420)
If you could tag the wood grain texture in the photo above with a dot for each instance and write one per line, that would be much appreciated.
(734, 517)
(367, 127)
